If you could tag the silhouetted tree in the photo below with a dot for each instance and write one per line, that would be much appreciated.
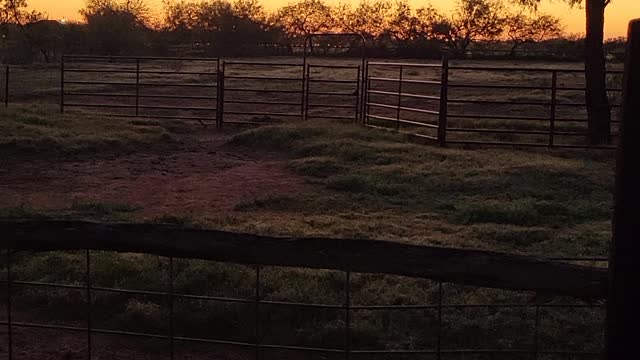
(472, 20)
(524, 28)
(305, 17)
(221, 25)
(46, 37)
(114, 26)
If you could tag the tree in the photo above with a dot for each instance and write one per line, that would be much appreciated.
(305, 17)
(224, 26)
(368, 18)
(15, 16)
(15, 12)
(46, 37)
(598, 107)
(472, 20)
(527, 28)
(114, 26)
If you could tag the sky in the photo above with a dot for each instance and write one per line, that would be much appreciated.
(618, 14)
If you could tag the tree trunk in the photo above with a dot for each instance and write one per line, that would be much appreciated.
(598, 111)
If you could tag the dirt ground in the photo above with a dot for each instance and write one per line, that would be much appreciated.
(204, 175)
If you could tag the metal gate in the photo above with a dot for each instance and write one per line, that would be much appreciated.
(142, 87)
(332, 92)
(261, 92)
(407, 97)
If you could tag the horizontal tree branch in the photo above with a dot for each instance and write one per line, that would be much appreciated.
(467, 267)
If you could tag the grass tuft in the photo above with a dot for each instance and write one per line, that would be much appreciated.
(43, 132)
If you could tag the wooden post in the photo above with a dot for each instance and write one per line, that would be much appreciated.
(623, 314)
(444, 101)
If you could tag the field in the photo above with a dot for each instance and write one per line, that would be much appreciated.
(315, 178)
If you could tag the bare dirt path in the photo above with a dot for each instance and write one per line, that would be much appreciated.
(204, 175)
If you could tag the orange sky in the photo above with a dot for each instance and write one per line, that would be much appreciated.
(617, 17)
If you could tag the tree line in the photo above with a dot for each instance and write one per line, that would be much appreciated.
(239, 27)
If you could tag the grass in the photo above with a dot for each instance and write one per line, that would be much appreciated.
(90, 211)
(43, 132)
(378, 185)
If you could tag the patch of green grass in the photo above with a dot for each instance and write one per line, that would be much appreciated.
(549, 192)
(43, 131)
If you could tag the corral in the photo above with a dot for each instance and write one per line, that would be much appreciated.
(147, 140)
(532, 104)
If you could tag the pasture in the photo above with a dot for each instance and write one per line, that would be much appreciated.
(320, 177)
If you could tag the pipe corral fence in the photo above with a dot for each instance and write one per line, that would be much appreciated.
(445, 102)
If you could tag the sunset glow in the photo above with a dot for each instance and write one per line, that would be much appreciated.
(617, 17)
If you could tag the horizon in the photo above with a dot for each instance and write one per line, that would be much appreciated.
(617, 17)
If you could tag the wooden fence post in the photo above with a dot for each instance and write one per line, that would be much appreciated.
(444, 101)
(623, 314)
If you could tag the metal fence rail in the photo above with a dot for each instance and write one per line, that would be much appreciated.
(33, 237)
(484, 112)
(439, 102)
(251, 92)
(332, 97)
(142, 87)
(427, 107)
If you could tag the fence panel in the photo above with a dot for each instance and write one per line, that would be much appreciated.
(404, 97)
(260, 93)
(447, 103)
(333, 92)
(266, 297)
(535, 107)
(30, 84)
(144, 87)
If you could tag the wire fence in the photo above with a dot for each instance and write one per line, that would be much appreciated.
(254, 319)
